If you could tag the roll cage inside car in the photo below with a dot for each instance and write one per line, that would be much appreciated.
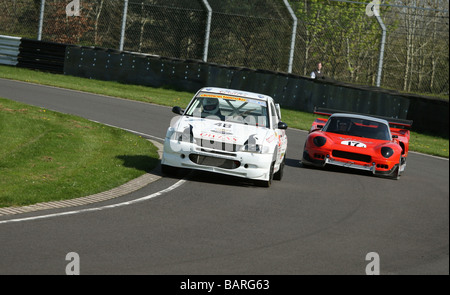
(232, 109)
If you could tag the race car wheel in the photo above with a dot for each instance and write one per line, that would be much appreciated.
(267, 183)
(279, 174)
(396, 173)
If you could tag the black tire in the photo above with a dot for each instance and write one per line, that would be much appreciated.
(396, 173)
(267, 183)
(280, 172)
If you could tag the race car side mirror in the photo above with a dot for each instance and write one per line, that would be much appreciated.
(394, 136)
(316, 128)
(282, 125)
(177, 110)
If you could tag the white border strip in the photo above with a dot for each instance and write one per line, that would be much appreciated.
(431, 156)
(154, 195)
(131, 131)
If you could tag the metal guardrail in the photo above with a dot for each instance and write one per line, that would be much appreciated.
(32, 54)
(9, 50)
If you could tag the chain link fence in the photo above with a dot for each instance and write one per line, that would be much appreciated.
(258, 34)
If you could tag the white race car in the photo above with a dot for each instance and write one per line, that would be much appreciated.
(229, 132)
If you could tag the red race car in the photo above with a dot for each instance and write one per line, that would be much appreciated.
(370, 143)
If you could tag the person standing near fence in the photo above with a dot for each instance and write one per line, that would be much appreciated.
(318, 73)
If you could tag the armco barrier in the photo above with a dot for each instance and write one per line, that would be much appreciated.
(9, 50)
(291, 91)
(40, 55)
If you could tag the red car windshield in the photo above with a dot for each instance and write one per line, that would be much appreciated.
(358, 127)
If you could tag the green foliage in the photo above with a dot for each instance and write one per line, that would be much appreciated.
(340, 35)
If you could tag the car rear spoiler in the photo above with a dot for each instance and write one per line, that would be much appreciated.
(393, 122)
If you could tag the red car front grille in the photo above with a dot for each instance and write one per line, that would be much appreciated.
(352, 156)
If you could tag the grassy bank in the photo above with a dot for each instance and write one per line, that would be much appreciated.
(295, 119)
(47, 156)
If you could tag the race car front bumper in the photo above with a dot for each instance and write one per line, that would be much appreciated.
(373, 167)
(252, 165)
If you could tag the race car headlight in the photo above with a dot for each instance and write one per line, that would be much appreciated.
(184, 137)
(170, 132)
(387, 152)
(319, 141)
(253, 148)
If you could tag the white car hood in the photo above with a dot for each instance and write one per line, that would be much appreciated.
(228, 132)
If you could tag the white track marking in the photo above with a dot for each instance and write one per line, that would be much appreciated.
(431, 156)
(154, 195)
(131, 131)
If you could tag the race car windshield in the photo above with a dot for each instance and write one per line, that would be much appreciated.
(229, 108)
(357, 127)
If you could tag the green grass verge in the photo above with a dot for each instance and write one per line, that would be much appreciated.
(48, 156)
(295, 119)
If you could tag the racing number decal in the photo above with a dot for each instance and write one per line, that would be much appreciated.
(354, 143)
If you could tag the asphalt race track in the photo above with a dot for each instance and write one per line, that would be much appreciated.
(312, 222)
